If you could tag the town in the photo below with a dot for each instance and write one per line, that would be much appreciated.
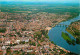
(26, 33)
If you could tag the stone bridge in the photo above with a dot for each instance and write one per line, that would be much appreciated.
(60, 25)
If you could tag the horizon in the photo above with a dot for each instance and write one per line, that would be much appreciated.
(56, 1)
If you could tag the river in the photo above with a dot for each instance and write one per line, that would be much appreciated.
(55, 36)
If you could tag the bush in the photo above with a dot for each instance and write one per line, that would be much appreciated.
(2, 30)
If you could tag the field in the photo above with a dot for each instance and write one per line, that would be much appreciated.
(33, 8)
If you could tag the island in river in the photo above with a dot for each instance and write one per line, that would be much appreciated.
(23, 25)
(68, 39)
(55, 35)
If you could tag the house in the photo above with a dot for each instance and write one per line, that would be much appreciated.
(29, 51)
(17, 41)
(7, 42)
(27, 40)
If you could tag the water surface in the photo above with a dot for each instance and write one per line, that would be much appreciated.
(55, 36)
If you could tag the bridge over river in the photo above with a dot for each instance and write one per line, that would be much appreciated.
(60, 25)
(55, 35)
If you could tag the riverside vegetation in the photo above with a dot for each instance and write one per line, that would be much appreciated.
(23, 24)
(74, 29)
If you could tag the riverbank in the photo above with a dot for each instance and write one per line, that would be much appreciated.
(43, 40)
(68, 39)
(55, 36)
(70, 33)
(74, 30)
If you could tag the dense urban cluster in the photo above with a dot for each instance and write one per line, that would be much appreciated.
(22, 36)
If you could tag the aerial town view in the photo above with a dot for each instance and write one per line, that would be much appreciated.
(39, 27)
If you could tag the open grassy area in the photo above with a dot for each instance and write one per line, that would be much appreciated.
(66, 36)
(68, 39)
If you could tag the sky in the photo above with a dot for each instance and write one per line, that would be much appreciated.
(45, 0)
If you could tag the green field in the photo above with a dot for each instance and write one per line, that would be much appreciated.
(66, 36)
(68, 39)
